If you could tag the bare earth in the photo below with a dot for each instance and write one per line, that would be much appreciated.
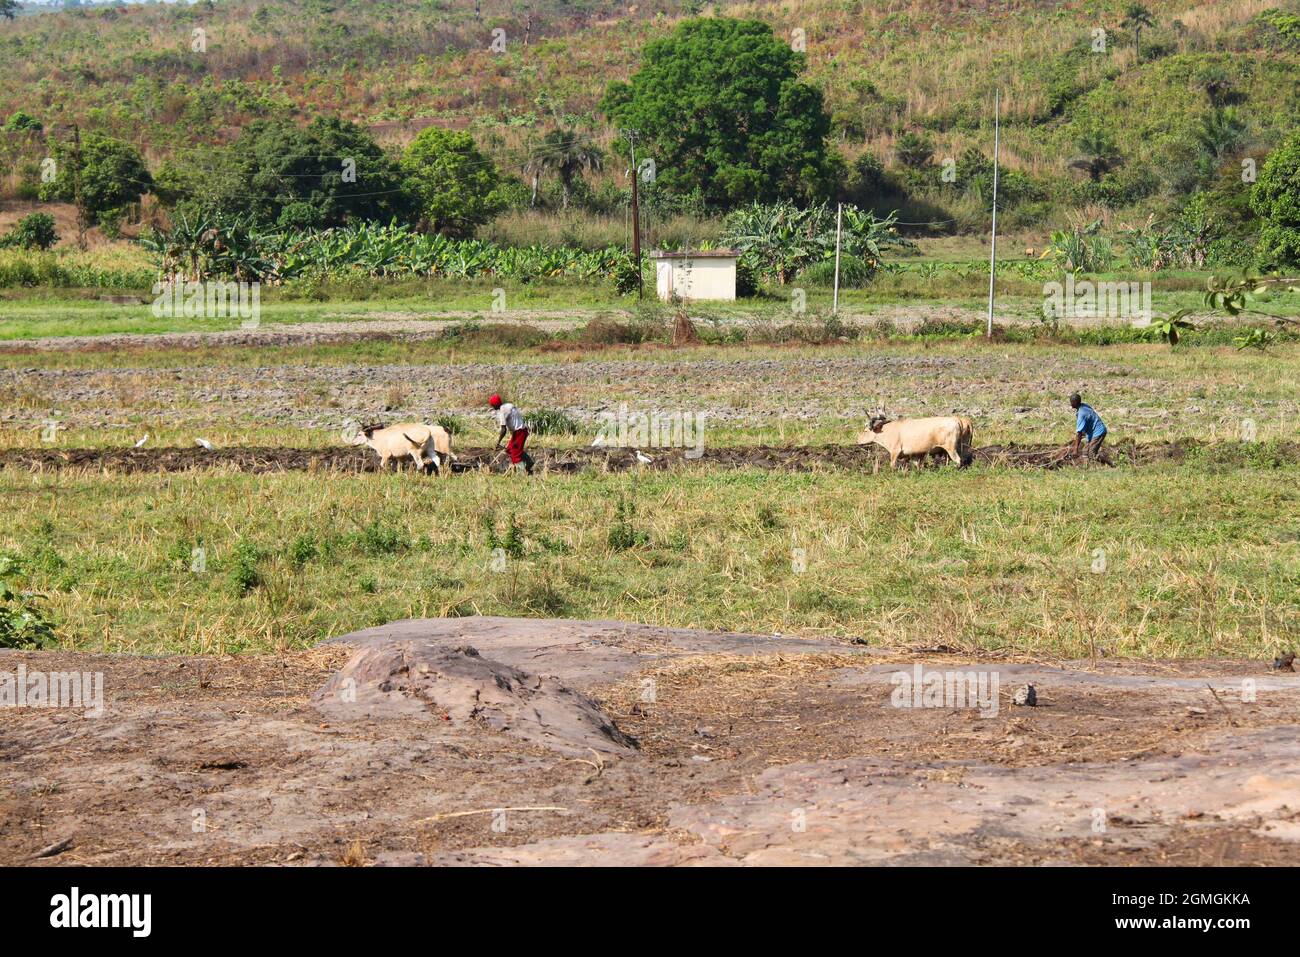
(268, 460)
(497, 741)
(416, 326)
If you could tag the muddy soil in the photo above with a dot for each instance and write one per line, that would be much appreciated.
(807, 458)
(732, 749)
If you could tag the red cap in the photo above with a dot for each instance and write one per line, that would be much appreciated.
(495, 401)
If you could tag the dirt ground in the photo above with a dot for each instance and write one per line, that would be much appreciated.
(808, 458)
(409, 326)
(584, 742)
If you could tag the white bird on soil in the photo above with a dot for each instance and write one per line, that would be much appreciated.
(205, 443)
(142, 441)
(642, 457)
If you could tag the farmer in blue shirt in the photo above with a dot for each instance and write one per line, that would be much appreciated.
(1088, 428)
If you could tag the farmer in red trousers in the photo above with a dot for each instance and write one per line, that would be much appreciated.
(512, 424)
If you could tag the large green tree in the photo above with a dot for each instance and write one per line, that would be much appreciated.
(455, 184)
(722, 112)
(276, 173)
(1276, 198)
(8, 9)
(112, 174)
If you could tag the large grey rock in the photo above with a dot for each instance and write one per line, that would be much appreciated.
(402, 679)
(582, 653)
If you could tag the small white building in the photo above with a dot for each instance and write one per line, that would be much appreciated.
(695, 274)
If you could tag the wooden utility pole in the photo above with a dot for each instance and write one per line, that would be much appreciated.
(835, 304)
(636, 215)
(993, 249)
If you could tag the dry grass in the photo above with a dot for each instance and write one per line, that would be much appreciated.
(354, 856)
(985, 560)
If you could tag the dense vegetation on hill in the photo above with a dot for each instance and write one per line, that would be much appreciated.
(1145, 117)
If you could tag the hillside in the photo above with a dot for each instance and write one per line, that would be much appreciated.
(885, 67)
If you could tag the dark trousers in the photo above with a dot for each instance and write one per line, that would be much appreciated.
(1093, 450)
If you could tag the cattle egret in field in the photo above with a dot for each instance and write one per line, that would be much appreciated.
(598, 440)
(643, 458)
(205, 443)
(142, 441)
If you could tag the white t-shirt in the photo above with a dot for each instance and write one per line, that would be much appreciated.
(509, 417)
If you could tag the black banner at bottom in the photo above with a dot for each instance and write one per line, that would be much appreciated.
(388, 905)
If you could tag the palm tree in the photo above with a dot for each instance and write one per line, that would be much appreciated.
(1218, 86)
(1098, 155)
(1221, 133)
(570, 154)
(914, 150)
(1137, 16)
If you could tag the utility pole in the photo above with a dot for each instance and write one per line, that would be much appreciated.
(835, 305)
(993, 249)
(78, 196)
(636, 215)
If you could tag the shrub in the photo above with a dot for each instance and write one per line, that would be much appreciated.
(544, 598)
(110, 222)
(622, 533)
(627, 278)
(608, 332)
(378, 538)
(747, 278)
(454, 424)
(20, 122)
(33, 231)
(914, 150)
(512, 544)
(855, 273)
(824, 330)
(303, 550)
(23, 623)
(551, 422)
(244, 576)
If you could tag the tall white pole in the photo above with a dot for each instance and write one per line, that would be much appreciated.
(835, 306)
(993, 249)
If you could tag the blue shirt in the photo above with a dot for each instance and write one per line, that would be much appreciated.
(1089, 423)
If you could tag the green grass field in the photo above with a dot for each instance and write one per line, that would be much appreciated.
(958, 287)
(1187, 561)
(1193, 559)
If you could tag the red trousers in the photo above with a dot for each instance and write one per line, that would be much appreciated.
(516, 446)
